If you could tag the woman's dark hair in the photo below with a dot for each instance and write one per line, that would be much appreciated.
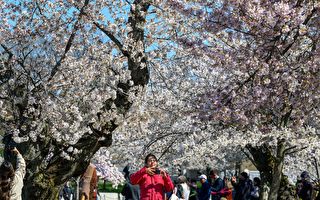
(126, 171)
(148, 156)
(244, 174)
(257, 181)
(304, 175)
(6, 178)
(214, 171)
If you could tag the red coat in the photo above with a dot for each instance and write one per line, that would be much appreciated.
(151, 187)
(225, 192)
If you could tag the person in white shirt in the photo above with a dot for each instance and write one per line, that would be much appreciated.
(182, 190)
(11, 180)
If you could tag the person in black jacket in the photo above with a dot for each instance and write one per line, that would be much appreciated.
(217, 184)
(305, 193)
(129, 191)
(255, 193)
(243, 188)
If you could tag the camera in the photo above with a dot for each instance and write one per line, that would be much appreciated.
(157, 171)
(9, 145)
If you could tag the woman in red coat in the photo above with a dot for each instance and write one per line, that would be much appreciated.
(153, 181)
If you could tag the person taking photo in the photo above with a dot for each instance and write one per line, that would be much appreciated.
(153, 181)
(11, 181)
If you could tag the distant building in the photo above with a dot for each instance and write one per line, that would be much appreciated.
(246, 164)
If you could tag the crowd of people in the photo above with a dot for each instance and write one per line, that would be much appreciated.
(216, 188)
(156, 184)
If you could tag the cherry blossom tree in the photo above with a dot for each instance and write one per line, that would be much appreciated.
(248, 80)
(70, 71)
(222, 78)
(267, 55)
(106, 170)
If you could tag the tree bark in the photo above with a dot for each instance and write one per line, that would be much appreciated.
(45, 177)
(270, 167)
(277, 171)
(262, 159)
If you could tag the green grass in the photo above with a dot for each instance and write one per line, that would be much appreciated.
(108, 187)
(1, 152)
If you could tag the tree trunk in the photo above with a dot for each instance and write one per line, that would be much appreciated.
(286, 191)
(276, 180)
(40, 188)
(270, 167)
(46, 176)
(277, 171)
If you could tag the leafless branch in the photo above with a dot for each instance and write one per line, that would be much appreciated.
(288, 152)
(249, 157)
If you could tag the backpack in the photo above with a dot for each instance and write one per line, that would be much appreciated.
(180, 191)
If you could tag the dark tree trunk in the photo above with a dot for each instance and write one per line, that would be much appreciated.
(44, 178)
(270, 167)
(286, 191)
(277, 171)
(262, 159)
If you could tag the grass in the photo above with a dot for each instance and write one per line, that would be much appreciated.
(107, 187)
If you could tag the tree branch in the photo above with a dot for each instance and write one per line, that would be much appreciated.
(161, 137)
(70, 41)
(248, 156)
(288, 152)
(112, 38)
(167, 149)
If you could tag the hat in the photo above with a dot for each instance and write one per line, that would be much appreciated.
(203, 177)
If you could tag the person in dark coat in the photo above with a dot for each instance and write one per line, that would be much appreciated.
(204, 191)
(129, 191)
(243, 188)
(255, 193)
(217, 184)
(193, 190)
(67, 192)
(305, 193)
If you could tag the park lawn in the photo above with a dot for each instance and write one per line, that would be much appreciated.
(107, 187)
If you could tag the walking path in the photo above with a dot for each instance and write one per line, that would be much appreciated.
(110, 196)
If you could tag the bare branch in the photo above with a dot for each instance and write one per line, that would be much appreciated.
(289, 148)
(167, 149)
(295, 151)
(161, 137)
(249, 156)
